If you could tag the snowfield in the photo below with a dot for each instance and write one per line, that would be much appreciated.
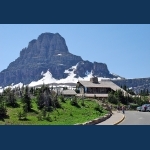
(48, 79)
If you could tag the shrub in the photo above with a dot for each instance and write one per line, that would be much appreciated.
(48, 118)
(55, 118)
(112, 99)
(98, 108)
(133, 106)
(74, 102)
(44, 113)
(82, 103)
(71, 114)
(22, 115)
(62, 99)
(39, 117)
(19, 115)
(51, 108)
(57, 104)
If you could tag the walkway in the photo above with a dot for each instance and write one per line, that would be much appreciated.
(115, 119)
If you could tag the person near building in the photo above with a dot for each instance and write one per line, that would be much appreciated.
(123, 109)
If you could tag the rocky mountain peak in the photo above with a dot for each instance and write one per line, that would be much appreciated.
(52, 42)
(46, 45)
(48, 51)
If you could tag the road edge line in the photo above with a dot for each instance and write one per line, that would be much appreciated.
(120, 120)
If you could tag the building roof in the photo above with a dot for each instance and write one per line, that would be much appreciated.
(68, 92)
(102, 84)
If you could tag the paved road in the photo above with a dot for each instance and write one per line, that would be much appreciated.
(136, 118)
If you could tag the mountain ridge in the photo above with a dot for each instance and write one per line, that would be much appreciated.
(48, 51)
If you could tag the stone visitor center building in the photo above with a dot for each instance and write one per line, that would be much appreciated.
(94, 88)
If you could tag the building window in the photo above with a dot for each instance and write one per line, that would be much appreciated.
(102, 90)
(96, 90)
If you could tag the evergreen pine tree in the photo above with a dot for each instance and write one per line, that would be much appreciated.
(26, 99)
(147, 92)
(3, 109)
(125, 88)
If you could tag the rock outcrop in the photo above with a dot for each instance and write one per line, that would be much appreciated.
(98, 69)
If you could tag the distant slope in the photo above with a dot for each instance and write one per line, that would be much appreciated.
(137, 84)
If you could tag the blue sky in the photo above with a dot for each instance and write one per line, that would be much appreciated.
(125, 48)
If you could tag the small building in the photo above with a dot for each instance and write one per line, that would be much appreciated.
(94, 88)
(68, 93)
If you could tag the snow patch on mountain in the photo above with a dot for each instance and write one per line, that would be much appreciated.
(1, 90)
(48, 78)
(19, 85)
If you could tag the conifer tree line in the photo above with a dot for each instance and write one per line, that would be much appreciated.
(46, 100)
(118, 97)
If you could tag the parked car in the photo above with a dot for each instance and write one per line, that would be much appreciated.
(144, 107)
(148, 108)
(138, 108)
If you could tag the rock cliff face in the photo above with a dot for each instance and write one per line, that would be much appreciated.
(98, 69)
(48, 51)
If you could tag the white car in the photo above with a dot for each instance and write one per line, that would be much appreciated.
(144, 107)
(148, 109)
